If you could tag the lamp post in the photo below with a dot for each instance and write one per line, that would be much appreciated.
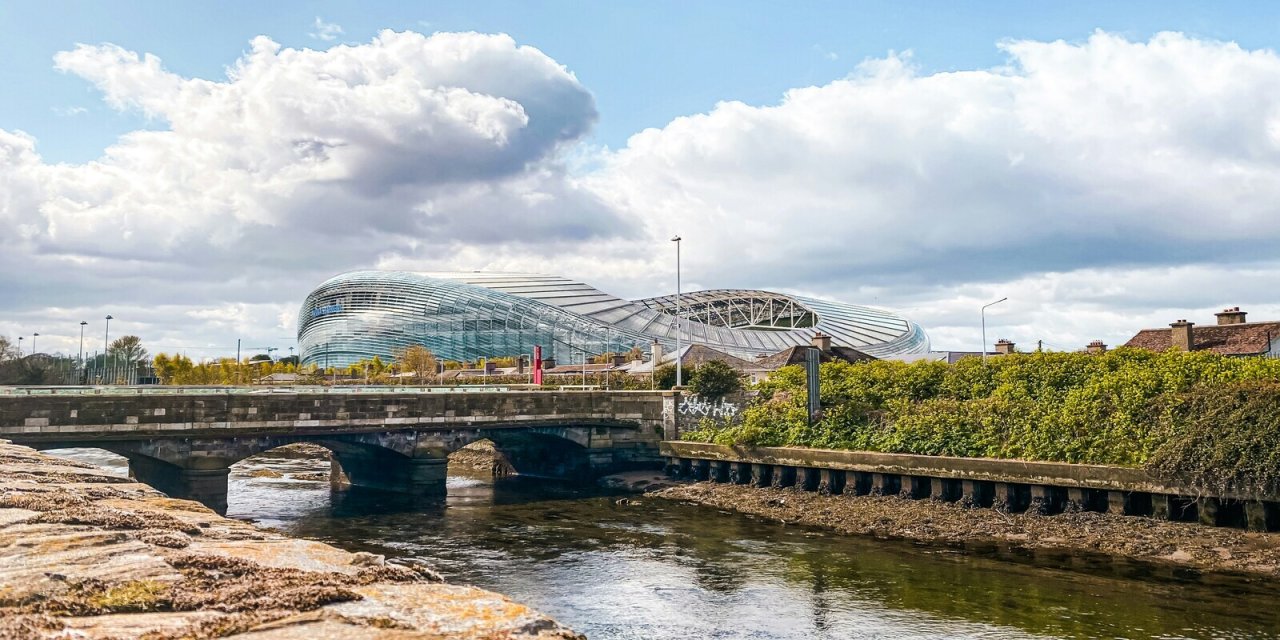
(33, 342)
(983, 313)
(82, 324)
(106, 338)
(679, 377)
(20, 339)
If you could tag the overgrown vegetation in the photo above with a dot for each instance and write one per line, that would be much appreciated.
(1210, 419)
(715, 379)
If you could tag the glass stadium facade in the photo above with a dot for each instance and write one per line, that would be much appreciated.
(466, 316)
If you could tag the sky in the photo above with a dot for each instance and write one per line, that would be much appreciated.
(194, 169)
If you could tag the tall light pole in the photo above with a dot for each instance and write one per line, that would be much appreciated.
(983, 313)
(20, 339)
(106, 339)
(679, 376)
(33, 342)
(82, 324)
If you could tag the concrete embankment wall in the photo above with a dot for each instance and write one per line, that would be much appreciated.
(86, 554)
(1012, 485)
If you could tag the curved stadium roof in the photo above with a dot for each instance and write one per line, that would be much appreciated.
(465, 316)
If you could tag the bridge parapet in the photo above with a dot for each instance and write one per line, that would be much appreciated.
(184, 444)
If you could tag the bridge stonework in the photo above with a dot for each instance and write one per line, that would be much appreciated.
(185, 444)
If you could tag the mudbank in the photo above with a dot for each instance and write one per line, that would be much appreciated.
(90, 555)
(1192, 546)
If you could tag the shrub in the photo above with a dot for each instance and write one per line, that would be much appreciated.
(715, 379)
(1211, 419)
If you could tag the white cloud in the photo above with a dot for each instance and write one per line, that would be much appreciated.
(326, 31)
(1102, 185)
(1074, 155)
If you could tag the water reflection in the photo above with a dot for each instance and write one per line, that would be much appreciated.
(655, 569)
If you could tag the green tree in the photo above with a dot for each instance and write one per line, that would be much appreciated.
(715, 379)
(664, 377)
(128, 349)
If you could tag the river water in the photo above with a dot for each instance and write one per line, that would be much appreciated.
(652, 569)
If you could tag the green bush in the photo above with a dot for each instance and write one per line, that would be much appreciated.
(1203, 416)
(715, 379)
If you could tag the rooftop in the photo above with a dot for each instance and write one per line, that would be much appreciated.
(1243, 339)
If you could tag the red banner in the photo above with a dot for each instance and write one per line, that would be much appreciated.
(537, 365)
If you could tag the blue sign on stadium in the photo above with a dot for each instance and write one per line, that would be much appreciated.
(324, 311)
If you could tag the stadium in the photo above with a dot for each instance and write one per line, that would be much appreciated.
(466, 316)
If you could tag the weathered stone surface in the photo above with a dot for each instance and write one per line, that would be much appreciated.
(87, 555)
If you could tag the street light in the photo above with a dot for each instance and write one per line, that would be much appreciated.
(679, 377)
(106, 338)
(983, 313)
(33, 342)
(20, 339)
(82, 324)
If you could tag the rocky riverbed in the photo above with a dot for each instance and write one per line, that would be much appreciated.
(87, 554)
(1209, 550)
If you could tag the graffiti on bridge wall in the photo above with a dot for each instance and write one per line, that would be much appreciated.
(699, 407)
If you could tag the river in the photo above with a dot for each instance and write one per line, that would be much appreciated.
(653, 569)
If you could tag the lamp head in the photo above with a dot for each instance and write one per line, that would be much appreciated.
(83, 323)
(675, 238)
(110, 318)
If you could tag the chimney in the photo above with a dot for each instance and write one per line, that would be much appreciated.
(1231, 316)
(1004, 347)
(548, 363)
(1183, 340)
(656, 350)
(822, 341)
(1096, 347)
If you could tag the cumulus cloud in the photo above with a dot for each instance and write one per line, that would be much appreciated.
(326, 31)
(1107, 152)
(1103, 185)
(296, 164)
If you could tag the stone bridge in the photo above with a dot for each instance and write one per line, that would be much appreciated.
(185, 443)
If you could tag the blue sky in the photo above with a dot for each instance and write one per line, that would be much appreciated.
(645, 62)
(1065, 155)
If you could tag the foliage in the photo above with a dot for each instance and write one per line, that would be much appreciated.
(128, 349)
(1179, 412)
(8, 350)
(714, 379)
(1222, 438)
(664, 377)
(419, 360)
(181, 370)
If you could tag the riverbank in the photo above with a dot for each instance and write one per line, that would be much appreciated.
(1209, 550)
(87, 554)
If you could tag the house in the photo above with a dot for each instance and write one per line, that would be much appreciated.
(1231, 336)
(766, 365)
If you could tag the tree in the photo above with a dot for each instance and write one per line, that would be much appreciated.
(664, 377)
(418, 359)
(128, 348)
(8, 351)
(715, 379)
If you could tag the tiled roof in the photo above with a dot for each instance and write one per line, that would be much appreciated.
(1246, 339)
(795, 355)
